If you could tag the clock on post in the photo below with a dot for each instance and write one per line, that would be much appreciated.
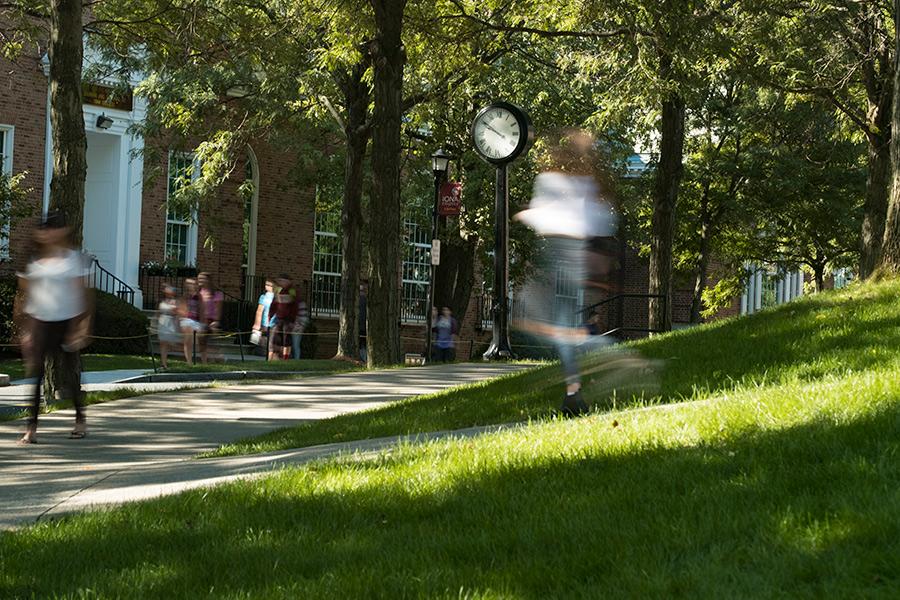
(501, 132)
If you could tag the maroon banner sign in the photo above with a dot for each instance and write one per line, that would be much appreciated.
(450, 199)
(101, 95)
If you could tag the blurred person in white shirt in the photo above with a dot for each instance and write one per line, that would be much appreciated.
(57, 314)
(570, 207)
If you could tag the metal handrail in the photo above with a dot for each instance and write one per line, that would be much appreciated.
(105, 281)
(587, 311)
(590, 309)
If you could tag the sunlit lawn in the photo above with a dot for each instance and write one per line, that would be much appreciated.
(835, 333)
(790, 490)
(766, 467)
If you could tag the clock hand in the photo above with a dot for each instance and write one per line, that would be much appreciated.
(495, 131)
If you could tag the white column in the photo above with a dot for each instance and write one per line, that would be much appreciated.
(789, 286)
(48, 157)
(798, 291)
(757, 303)
(779, 291)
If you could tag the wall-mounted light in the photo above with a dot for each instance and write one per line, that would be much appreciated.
(104, 122)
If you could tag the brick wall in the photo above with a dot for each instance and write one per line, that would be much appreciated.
(285, 222)
(23, 104)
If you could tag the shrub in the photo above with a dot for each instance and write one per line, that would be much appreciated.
(8, 288)
(114, 318)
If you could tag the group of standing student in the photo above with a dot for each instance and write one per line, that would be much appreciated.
(191, 318)
(281, 316)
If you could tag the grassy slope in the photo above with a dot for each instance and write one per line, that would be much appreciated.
(832, 333)
(784, 484)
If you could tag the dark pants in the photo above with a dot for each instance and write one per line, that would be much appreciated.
(443, 354)
(47, 338)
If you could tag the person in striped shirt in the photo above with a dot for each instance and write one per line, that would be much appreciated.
(284, 308)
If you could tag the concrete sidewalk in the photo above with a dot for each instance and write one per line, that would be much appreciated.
(141, 446)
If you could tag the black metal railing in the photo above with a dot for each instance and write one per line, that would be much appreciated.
(616, 314)
(103, 280)
(252, 287)
(152, 284)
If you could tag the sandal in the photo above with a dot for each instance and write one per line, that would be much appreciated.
(30, 437)
(79, 432)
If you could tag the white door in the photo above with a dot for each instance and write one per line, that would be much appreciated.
(101, 198)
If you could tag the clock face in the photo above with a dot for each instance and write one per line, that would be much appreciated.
(498, 133)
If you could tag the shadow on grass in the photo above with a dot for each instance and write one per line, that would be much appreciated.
(809, 511)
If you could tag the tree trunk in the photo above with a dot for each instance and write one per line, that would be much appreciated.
(890, 251)
(703, 264)
(66, 114)
(819, 276)
(455, 276)
(69, 150)
(878, 183)
(389, 59)
(356, 97)
(665, 197)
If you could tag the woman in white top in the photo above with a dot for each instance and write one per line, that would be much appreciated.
(57, 313)
(167, 325)
(567, 209)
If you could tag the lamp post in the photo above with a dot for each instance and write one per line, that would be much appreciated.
(440, 160)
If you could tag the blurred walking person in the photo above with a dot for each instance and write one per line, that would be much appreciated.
(57, 314)
(284, 306)
(167, 325)
(264, 318)
(445, 328)
(191, 318)
(568, 210)
(211, 300)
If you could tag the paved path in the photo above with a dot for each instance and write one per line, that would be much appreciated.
(139, 446)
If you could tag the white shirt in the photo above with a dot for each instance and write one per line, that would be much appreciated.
(567, 206)
(56, 287)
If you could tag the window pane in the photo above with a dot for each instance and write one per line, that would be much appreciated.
(327, 256)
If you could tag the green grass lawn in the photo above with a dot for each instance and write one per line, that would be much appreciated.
(782, 490)
(766, 466)
(848, 331)
(15, 368)
(302, 366)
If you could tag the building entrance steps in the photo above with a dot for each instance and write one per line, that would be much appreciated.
(153, 435)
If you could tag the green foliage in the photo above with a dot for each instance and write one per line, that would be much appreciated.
(8, 289)
(114, 318)
(722, 294)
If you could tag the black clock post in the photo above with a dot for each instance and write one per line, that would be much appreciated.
(501, 133)
(500, 348)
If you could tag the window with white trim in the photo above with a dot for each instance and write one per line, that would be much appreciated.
(327, 258)
(416, 270)
(568, 294)
(181, 225)
(6, 158)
